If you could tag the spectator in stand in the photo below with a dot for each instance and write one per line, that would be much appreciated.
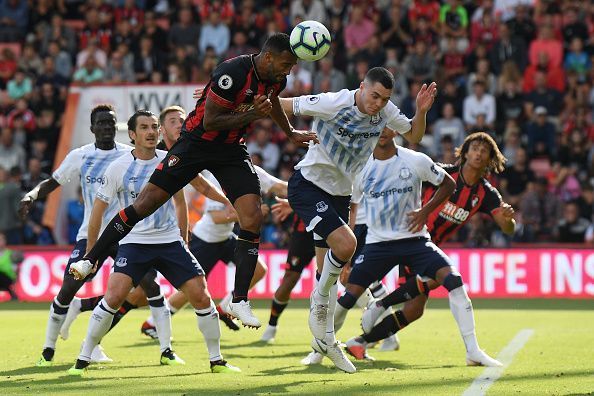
(546, 42)
(308, 10)
(94, 31)
(511, 142)
(262, 146)
(508, 48)
(92, 50)
(400, 90)
(510, 105)
(572, 228)
(331, 79)
(573, 27)
(555, 76)
(239, 46)
(577, 59)
(358, 31)
(51, 76)
(479, 102)
(374, 52)
(540, 211)
(117, 71)
(10, 196)
(424, 32)
(20, 86)
(29, 61)
(57, 31)
(61, 59)
(11, 153)
(395, 29)
(517, 179)
(131, 13)
(21, 120)
(147, 60)
(541, 134)
(154, 31)
(484, 30)
(428, 9)
(548, 98)
(453, 21)
(89, 73)
(224, 7)
(124, 33)
(14, 17)
(420, 65)
(521, 24)
(452, 62)
(483, 73)
(185, 32)
(214, 33)
(8, 66)
(39, 150)
(586, 201)
(449, 125)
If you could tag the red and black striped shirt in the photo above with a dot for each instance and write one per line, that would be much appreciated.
(233, 85)
(462, 205)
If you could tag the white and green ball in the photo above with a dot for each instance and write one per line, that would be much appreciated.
(310, 41)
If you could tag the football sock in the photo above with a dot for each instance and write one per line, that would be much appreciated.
(461, 308)
(99, 325)
(208, 323)
(330, 334)
(345, 302)
(246, 258)
(330, 273)
(390, 325)
(409, 290)
(116, 230)
(57, 316)
(276, 310)
(88, 304)
(162, 318)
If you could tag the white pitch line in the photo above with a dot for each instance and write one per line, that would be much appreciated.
(491, 374)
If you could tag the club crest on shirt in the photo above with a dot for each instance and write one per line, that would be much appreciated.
(173, 160)
(375, 119)
(321, 207)
(405, 174)
(475, 200)
(225, 81)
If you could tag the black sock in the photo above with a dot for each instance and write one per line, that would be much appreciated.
(276, 310)
(347, 300)
(387, 327)
(89, 304)
(48, 353)
(115, 231)
(246, 257)
(81, 364)
(409, 290)
(124, 309)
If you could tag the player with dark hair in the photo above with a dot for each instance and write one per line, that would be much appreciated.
(157, 243)
(241, 90)
(478, 156)
(348, 124)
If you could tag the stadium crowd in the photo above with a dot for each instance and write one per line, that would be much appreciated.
(520, 70)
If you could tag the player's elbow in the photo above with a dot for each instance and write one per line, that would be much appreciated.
(448, 184)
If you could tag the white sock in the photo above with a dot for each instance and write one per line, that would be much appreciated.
(364, 299)
(99, 324)
(329, 276)
(57, 316)
(226, 300)
(378, 289)
(330, 334)
(461, 308)
(208, 323)
(340, 314)
(150, 320)
(162, 318)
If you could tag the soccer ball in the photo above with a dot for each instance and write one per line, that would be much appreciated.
(310, 41)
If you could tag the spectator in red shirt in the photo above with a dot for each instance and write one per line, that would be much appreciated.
(358, 31)
(546, 42)
(94, 30)
(131, 13)
(428, 9)
(555, 74)
(484, 30)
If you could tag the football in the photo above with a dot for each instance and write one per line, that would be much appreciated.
(310, 40)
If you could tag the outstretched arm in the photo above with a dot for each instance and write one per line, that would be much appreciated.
(217, 117)
(418, 218)
(279, 115)
(40, 191)
(425, 99)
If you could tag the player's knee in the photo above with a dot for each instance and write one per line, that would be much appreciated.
(453, 281)
(344, 247)
(115, 300)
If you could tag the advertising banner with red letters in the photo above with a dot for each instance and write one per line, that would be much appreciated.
(487, 273)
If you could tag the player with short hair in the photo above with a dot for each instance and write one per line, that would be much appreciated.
(478, 156)
(241, 90)
(155, 244)
(348, 125)
(86, 165)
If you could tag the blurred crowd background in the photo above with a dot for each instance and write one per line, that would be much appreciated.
(520, 70)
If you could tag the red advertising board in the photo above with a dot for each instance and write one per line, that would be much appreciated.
(488, 273)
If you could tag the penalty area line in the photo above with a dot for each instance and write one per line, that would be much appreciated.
(483, 382)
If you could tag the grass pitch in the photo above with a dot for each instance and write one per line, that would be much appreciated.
(557, 360)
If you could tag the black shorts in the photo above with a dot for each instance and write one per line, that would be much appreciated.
(360, 232)
(321, 212)
(209, 254)
(301, 251)
(173, 260)
(377, 259)
(230, 164)
(80, 248)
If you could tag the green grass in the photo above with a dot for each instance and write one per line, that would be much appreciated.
(557, 360)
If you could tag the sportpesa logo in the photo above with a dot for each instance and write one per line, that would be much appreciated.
(365, 135)
(92, 180)
(391, 191)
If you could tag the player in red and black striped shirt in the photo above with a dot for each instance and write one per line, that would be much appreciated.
(241, 90)
(478, 156)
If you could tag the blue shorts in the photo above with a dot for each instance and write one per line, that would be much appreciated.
(360, 232)
(173, 260)
(421, 255)
(209, 254)
(80, 248)
(321, 212)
